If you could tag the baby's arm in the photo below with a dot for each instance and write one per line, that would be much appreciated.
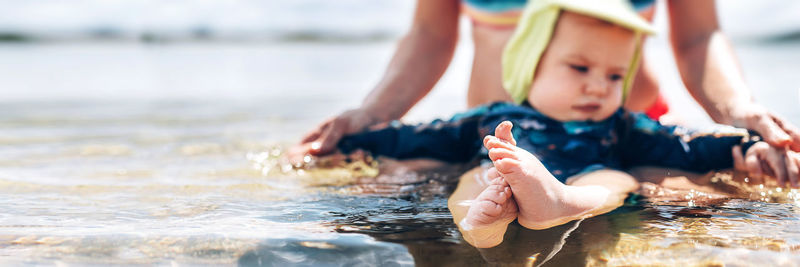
(761, 160)
(644, 142)
(451, 141)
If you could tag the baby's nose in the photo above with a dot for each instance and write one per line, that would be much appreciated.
(597, 87)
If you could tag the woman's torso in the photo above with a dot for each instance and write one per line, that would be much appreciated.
(493, 24)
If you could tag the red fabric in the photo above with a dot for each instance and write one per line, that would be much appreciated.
(658, 108)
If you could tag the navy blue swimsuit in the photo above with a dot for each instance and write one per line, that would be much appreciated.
(622, 141)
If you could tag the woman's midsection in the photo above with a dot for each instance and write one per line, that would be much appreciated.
(486, 83)
(486, 80)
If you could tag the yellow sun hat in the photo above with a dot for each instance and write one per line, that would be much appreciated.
(535, 28)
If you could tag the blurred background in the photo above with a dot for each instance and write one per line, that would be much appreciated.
(144, 131)
(297, 51)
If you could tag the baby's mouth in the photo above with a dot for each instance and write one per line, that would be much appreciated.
(587, 108)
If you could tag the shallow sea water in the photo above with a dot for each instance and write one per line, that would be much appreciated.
(195, 183)
(170, 155)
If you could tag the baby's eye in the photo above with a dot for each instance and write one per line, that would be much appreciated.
(579, 68)
(615, 77)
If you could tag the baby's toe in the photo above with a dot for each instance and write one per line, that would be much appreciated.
(496, 154)
(492, 174)
(499, 180)
(494, 193)
(488, 211)
(507, 166)
(503, 132)
(494, 142)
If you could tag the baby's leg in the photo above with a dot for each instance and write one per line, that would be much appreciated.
(542, 200)
(490, 213)
(686, 181)
(482, 207)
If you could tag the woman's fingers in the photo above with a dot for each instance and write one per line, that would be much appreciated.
(308, 145)
(772, 133)
(753, 163)
(793, 168)
(314, 134)
(776, 161)
(791, 130)
(296, 153)
(329, 138)
(738, 159)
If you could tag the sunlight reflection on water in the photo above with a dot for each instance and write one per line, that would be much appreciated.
(198, 181)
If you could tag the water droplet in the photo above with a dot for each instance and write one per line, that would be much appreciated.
(265, 171)
(316, 145)
(286, 168)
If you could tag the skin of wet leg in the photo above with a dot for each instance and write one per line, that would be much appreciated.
(494, 204)
(470, 186)
(545, 202)
(617, 182)
(610, 186)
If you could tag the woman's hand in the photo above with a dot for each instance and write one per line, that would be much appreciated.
(762, 160)
(326, 136)
(775, 130)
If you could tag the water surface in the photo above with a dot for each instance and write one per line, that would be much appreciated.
(149, 154)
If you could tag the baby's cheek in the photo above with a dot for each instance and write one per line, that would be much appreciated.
(560, 106)
(560, 102)
(550, 102)
(616, 98)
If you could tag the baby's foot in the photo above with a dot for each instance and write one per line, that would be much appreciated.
(490, 213)
(543, 201)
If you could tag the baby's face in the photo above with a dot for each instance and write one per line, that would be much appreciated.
(580, 74)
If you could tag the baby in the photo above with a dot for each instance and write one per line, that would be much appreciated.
(558, 152)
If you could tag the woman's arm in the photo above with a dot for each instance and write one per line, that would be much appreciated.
(422, 56)
(712, 74)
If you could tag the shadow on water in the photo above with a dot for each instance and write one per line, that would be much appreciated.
(416, 228)
(432, 239)
(405, 221)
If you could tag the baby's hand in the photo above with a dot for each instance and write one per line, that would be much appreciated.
(763, 160)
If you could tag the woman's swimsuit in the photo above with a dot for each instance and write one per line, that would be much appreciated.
(506, 13)
(494, 13)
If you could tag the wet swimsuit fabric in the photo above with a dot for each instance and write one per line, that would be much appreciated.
(622, 141)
